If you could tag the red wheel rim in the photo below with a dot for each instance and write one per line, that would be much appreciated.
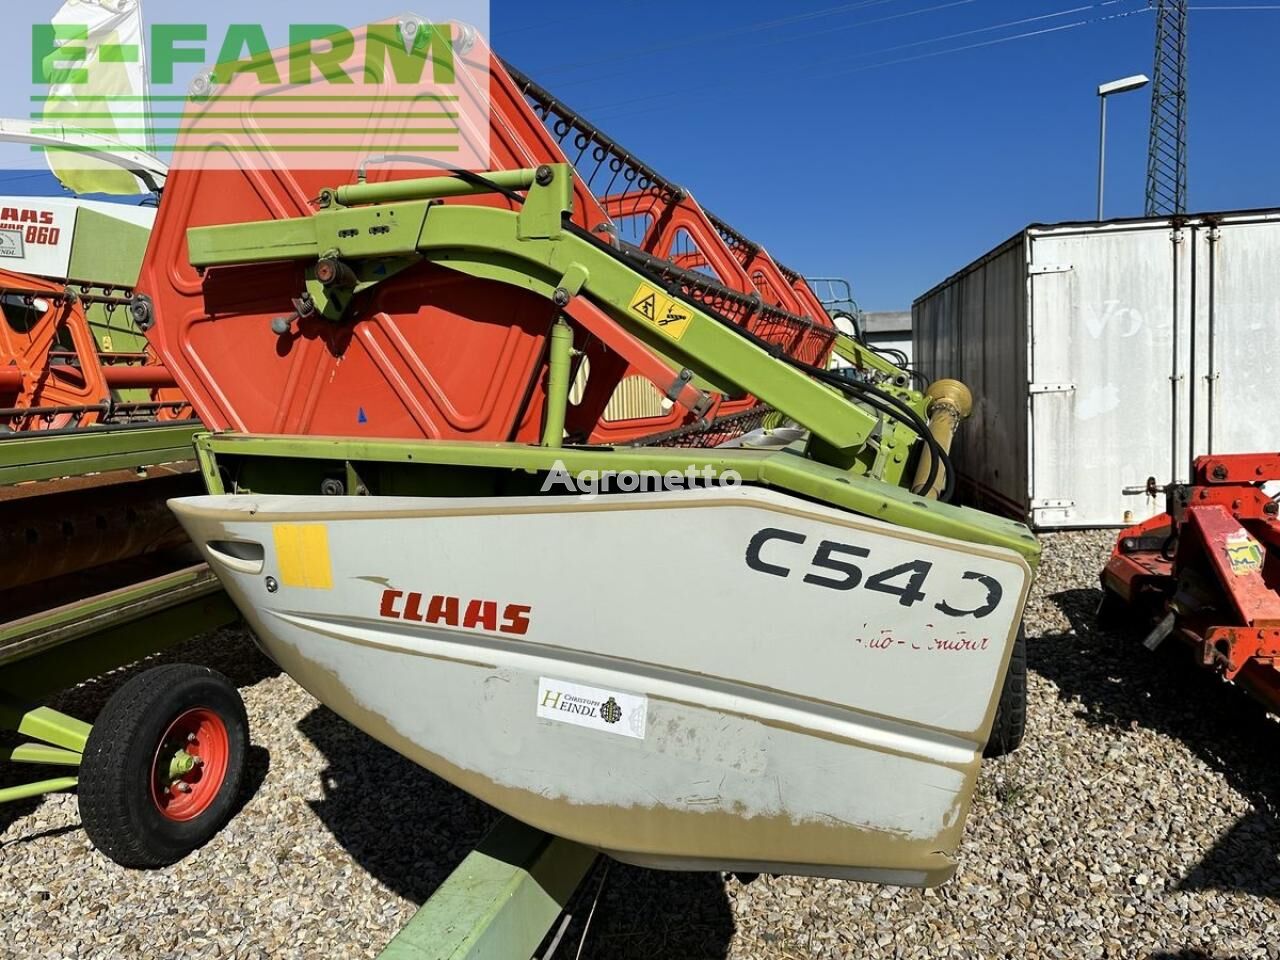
(190, 765)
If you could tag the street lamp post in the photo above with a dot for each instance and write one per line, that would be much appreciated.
(1136, 82)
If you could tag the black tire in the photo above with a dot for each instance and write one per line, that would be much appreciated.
(118, 808)
(1011, 714)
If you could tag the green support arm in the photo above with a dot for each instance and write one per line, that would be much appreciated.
(864, 358)
(533, 249)
(501, 900)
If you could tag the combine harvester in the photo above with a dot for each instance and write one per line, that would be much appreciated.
(70, 353)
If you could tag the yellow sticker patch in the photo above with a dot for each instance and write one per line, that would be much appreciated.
(657, 309)
(1244, 554)
(302, 551)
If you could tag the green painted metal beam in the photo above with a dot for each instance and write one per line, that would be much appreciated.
(276, 240)
(532, 250)
(559, 380)
(45, 724)
(865, 358)
(41, 754)
(358, 232)
(430, 188)
(26, 791)
(29, 457)
(500, 902)
(482, 240)
(782, 470)
(42, 631)
(114, 643)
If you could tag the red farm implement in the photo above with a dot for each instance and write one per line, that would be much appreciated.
(1208, 570)
(55, 376)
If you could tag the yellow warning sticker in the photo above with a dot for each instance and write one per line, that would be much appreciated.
(657, 309)
(302, 551)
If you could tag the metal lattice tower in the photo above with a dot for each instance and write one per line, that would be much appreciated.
(1167, 152)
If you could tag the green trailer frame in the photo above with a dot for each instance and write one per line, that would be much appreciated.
(53, 649)
(500, 902)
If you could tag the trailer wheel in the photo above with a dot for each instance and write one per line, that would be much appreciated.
(1011, 714)
(163, 765)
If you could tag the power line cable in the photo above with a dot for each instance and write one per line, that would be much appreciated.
(990, 43)
(544, 23)
(774, 42)
(702, 38)
(998, 26)
(683, 93)
(805, 36)
(1023, 21)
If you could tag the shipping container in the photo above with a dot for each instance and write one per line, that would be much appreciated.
(1104, 357)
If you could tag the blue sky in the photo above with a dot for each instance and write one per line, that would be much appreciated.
(806, 137)
(895, 176)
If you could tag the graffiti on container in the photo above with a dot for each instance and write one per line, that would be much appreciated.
(1125, 321)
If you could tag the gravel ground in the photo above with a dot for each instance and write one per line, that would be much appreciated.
(1138, 820)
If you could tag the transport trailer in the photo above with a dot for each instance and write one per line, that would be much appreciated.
(95, 575)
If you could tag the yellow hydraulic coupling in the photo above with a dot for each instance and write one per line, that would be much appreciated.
(950, 402)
